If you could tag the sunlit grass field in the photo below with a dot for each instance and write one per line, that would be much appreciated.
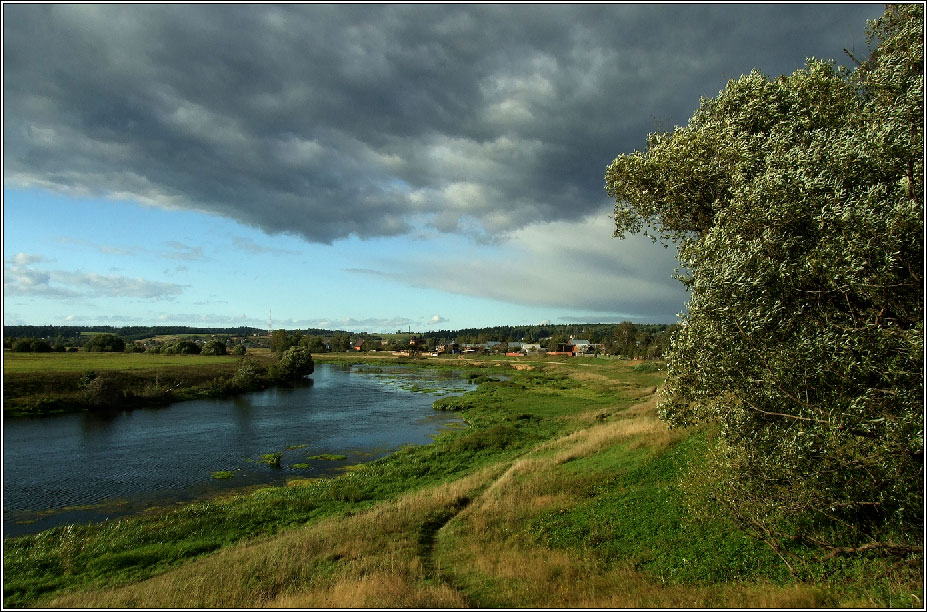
(563, 492)
(83, 361)
(39, 383)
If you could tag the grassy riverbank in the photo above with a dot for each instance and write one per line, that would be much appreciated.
(562, 492)
(42, 383)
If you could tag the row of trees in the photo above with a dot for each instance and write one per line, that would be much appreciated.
(281, 340)
(646, 341)
(96, 343)
(74, 335)
(36, 345)
(796, 205)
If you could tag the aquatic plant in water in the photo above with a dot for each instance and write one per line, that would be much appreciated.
(271, 459)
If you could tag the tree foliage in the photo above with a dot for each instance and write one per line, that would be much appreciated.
(796, 205)
(214, 347)
(294, 363)
(184, 346)
(105, 343)
(27, 345)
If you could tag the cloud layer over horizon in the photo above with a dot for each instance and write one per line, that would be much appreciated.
(330, 121)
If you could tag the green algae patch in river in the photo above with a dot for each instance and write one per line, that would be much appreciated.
(271, 459)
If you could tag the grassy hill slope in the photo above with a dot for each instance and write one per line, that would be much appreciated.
(563, 492)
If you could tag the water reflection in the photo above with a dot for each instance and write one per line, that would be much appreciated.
(155, 455)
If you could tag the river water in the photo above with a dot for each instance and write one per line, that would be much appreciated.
(91, 466)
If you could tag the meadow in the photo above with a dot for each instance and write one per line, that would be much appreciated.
(33, 363)
(563, 491)
(41, 383)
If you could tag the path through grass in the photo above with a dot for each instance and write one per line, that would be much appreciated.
(562, 493)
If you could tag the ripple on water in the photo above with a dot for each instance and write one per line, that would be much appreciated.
(162, 454)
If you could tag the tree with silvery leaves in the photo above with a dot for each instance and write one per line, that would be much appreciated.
(796, 207)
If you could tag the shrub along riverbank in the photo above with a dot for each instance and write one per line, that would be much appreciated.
(45, 383)
(564, 491)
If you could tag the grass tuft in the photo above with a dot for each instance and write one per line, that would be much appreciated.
(564, 491)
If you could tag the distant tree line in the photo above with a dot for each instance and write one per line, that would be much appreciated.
(632, 340)
(72, 333)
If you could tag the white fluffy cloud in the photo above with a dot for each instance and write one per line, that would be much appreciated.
(21, 277)
(563, 264)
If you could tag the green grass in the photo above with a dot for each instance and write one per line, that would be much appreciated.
(271, 459)
(28, 560)
(38, 383)
(562, 492)
(637, 516)
(15, 363)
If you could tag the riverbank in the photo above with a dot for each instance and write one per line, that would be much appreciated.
(53, 383)
(121, 462)
(562, 492)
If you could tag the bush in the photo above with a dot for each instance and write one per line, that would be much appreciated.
(41, 346)
(22, 345)
(183, 347)
(103, 392)
(30, 345)
(249, 375)
(294, 363)
(214, 347)
(105, 343)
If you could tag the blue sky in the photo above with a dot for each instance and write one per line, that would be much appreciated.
(358, 167)
(121, 263)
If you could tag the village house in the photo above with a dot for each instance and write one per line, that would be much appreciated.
(564, 348)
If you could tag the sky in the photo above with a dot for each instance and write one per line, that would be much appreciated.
(362, 167)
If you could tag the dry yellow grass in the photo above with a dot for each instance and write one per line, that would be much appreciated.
(528, 576)
(380, 590)
(371, 559)
(483, 549)
(481, 556)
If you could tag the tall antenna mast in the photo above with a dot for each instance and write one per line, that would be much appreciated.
(270, 322)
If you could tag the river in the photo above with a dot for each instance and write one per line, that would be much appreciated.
(90, 466)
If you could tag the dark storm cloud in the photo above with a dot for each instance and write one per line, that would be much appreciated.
(331, 120)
